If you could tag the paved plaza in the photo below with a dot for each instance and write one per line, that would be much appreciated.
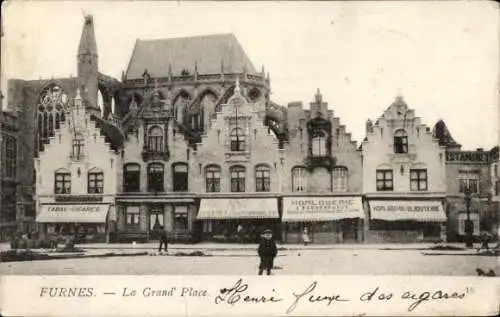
(242, 260)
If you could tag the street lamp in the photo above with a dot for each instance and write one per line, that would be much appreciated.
(469, 228)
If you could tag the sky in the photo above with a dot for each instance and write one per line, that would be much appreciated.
(442, 57)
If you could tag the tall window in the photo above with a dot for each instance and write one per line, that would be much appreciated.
(384, 180)
(212, 177)
(77, 153)
(299, 179)
(180, 218)
(51, 108)
(262, 178)
(131, 177)
(400, 142)
(319, 144)
(132, 217)
(155, 177)
(340, 179)
(237, 179)
(180, 179)
(470, 181)
(237, 140)
(418, 179)
(95, 183)
(9, 155)
(155, 139)
(62, 184)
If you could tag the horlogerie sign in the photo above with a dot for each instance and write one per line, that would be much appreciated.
(419, 210)
(321, 208)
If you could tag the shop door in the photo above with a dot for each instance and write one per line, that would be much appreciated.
(349, 230)
(155, 221)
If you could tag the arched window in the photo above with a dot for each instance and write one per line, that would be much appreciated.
(155, 139)
(299, 179)
(262, 178)
(212, 178)
(237, 179)
(50, 113)
(95, 184)
(319, 144)
(155, 177)
(62, 181)
(77, 151)
(180, 177)
(131, 177)
(237, 140)
(340, 179)
(400, 141)
(180, 104)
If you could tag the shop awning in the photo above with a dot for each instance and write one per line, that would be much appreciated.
(80, 213)
(238, 208)
(429, 211)
(297, 209)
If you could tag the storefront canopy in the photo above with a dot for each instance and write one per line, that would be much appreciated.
(297, 209)
(428, 211)
(79, 213)
(238, 208)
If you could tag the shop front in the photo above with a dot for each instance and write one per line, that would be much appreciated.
(326, 219)
(84, 222)
(142, 219)
(237, 219)
(406, 221)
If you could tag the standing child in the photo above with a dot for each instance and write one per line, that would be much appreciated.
(305, 236)
(267, 252)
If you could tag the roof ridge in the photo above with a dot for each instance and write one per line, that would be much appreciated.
(184, 37)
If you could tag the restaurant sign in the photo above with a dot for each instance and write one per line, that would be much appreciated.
(59, 213)
(321, 208)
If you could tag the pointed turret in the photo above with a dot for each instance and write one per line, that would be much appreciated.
(87, 65)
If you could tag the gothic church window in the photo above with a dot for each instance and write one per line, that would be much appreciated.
(62, 182)
(52, 104)
(400, 142)
(180, 105)
(262, 178)
(299, 179)
(9, 156)
(155, 139)
(237, 140)
(212, 178)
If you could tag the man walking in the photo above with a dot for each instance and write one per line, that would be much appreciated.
(163, 239)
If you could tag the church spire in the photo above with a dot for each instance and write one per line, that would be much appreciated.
(87, 66)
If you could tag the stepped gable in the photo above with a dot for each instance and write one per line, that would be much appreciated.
(112, 133)
(175, 55)
(443, 135)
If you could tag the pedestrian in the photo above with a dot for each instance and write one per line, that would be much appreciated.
(163, 239)
(485, 241)
(305, 236)
(267, 252)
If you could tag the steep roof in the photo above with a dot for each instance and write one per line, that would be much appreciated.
(442, 133)
(112, 133)
(207, 51)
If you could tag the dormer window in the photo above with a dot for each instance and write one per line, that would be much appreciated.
(237, 140)
(77, 150)
(400, 142)
(319, 144)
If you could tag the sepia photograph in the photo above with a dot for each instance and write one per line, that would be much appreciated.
(249, 138)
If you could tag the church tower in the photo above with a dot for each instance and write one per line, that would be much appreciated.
(87, 60)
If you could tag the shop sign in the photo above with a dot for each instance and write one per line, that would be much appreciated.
(467, 156)
(407, 210)
(321, 208)
(58, 213)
